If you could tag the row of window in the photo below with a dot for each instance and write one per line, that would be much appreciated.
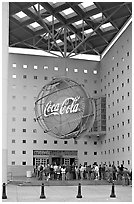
(95, 153)
(25, 66)
(55, 142)
(85, 142)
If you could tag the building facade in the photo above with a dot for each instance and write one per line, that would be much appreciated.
(109, 81)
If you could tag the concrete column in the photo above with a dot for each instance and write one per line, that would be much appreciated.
(5, 36)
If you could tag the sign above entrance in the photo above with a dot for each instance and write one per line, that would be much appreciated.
(64, 110)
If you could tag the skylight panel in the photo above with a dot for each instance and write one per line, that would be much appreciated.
(35, 25)
(87, 4)
(72, 37)
(49, 18)
(106, 26)
(38, 7)
(59, 41)
(21, 14)
(98, 16)
(68, 11)
(88, 31)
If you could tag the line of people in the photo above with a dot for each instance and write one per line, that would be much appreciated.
(89, 172)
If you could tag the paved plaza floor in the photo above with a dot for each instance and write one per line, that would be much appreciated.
(90, 193)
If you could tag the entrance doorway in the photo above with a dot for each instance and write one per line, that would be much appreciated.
(56, 160)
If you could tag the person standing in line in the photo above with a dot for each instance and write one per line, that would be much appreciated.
(81, 172)
(63, 173)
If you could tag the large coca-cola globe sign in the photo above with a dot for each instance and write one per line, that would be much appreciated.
(64, 110)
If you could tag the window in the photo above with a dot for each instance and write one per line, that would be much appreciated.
(24, 119)
(109, 151)
(35, 67)
(14, 65)
(34, 130)
(122, 71)
(23, 141)
(117, 100)
(122, 149)
(95, 143)
(14, 86)
(13, 97)
(13, 163)
(56, 68)
(23, 152)
(65, 142)
(75, 70)
(122, 84)
(13, 119)
(117, 64)
(24, 130)
(122, 136)
(14, 108)
(85, 142)
(123, 123)
(123, 110)
(117, 112)
(25, 66)
(128, 80)
(105, 152)
(13, 151)
(24, 163)
(123, 97)
(108, 73)
(128, 148)
(55, 141)
(118, 150)
(117, 76)
(117, 88)
(128, 94)
(128, 107)
(113, 80)
(127, 54)
(95, 72)
(128, 134)
(95, 91)
(24, 76)
(45, 78)
(24, 108)
(85, 71)
(13, 129)
(128, 162)
(118, 125)
(113, 151)
(117, 137)
(34, 141)
(112, 68)
(128, 67)
(85, 153)
(13, 141)
(14, 76)
(95, 153)
(35, 77)
(45, 67)
(113, 138)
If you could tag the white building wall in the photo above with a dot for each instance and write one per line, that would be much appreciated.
(116, 84)
(23, 92)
